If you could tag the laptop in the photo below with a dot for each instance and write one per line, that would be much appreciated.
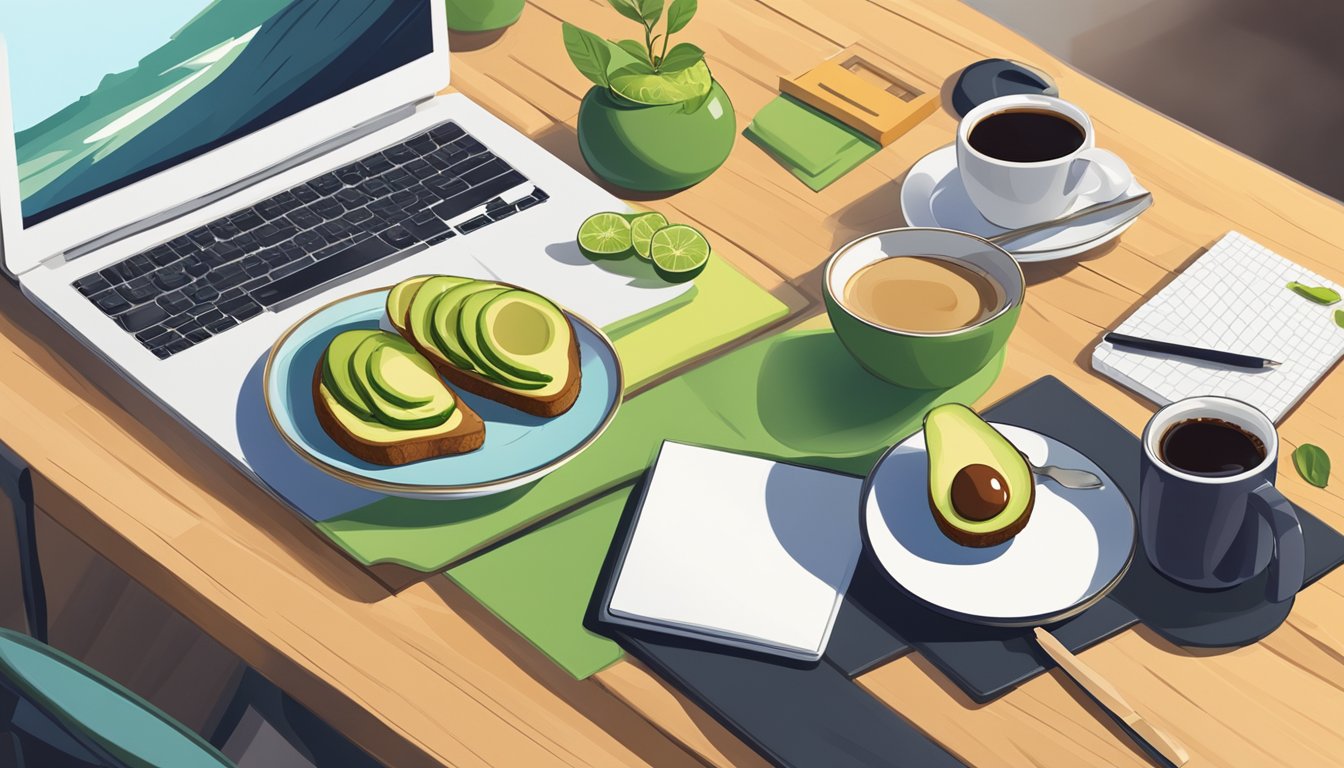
(187, 181)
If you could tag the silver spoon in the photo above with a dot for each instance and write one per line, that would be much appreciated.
(1141, 202)
(1077, 479)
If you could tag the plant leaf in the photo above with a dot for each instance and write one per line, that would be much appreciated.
(1317, 293)
(1313, 464)
(1339, 317)
(627, 9)
(679, 15)
(662, 88)
(588, 52)
(682, 56)
(651, 10)
(635, 49)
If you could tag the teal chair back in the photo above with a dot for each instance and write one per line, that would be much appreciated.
(47, 694)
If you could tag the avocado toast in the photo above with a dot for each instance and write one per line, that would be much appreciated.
(492, 339)
(379, 399)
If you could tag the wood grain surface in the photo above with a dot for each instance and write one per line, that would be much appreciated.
(430, 677)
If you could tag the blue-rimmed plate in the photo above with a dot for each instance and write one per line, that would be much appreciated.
(519, 448)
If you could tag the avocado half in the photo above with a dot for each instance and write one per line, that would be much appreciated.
(956, 438)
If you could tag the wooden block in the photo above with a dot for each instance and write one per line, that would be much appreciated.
(861, 92)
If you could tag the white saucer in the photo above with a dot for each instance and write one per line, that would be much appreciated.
(933, 196)
(1073, 550)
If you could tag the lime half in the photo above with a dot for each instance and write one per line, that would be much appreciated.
(679, 253)
(642, 227)
(604, 236)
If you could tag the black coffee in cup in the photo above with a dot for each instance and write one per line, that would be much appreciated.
(1026, 136)
(1211, 447)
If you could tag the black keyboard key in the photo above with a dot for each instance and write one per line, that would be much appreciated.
(470, 144)
(277, 206)
(255, 266)
(182, 245)
(305, 194)
(528, 202)
(352, 258)
(374, 225)
(222, 324)
(268, 235)
(305, 218)
(113, 274)
(253, 284)
(357, 215)
(465, 201)
(209, 316)
(246, 242)
(162, 353)
(351, 174)
(425, 225)
(229, 295)
(246, 220)
(484, 173)
(398, 237)
(149, 336)
(446, 133)
(138, 291)
(92, 284)
(171, 277)
(292, 267)
(137, 265)
(310, 241)
(422, 144)
(384, 207)
(446, 185)
(540, 195)
(194, 266)
(181, 322)
(421, 169)
(400, 153)
(328, 209)
(292, 250)
(197, 334)
(140, 318)
(462, 166)
(223, 229)
(220, 254)
(326, 184)
(375, 187)
(502, 213)
(471, 225)
(178, 345)
(162, 255)
(228, 276)
(111, 303)
(273, 256)
(335, 230)
(351, 198)
(243, 309)
(398, 178)
(375, 165)
(201, 236)
(404, 199)
(439, 238)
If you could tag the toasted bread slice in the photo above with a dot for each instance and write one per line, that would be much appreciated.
(379, 444)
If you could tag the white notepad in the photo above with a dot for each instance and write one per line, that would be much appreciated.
(739, 550)
(1233, 298)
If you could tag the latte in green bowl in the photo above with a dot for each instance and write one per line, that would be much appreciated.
(923, 308)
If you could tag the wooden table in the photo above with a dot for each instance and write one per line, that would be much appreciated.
(427, 676)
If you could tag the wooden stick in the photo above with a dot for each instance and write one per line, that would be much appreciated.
(1100, 689)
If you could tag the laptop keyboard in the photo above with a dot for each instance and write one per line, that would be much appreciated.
(390, 204)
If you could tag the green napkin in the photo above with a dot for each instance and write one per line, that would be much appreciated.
(815, 147)
(796, 396)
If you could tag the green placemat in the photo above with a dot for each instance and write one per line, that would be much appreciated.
(429, 536)
(797, 396)
(815, 147)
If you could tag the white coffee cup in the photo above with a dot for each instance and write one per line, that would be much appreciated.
(1018, 194)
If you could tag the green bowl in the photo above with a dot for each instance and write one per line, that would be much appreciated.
(923, 360)
(482, 15)
(657, 148)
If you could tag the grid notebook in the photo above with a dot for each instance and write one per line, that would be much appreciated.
(740, 551)
(1234, 298)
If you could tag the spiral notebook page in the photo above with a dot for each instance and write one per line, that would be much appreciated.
(1234, 298)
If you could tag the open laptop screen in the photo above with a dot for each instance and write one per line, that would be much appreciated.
(106, 93)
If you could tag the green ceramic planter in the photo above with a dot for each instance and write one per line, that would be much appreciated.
(482, 15)
(923, 360)
(655, 148)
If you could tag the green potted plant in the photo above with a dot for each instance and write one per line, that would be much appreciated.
(655, 120)
(482, 15)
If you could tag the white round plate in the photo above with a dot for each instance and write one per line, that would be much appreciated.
(1073, 550)
(933, 196)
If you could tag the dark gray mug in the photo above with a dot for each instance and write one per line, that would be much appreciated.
(1217, 532)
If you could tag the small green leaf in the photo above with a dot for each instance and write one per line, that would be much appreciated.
(679, 15)
(635, 48)
(588, 52)
(1313, 464)
(1339, 317)
(651, 10)
(627, 9)
(682, 56)
(1317, 293)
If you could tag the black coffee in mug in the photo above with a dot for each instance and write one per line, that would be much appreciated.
(1026, 136)
(1211, 447)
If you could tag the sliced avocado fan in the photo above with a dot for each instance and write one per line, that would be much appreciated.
(525, 336)
(378, 376)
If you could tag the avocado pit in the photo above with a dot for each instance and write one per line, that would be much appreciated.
(979, 492)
